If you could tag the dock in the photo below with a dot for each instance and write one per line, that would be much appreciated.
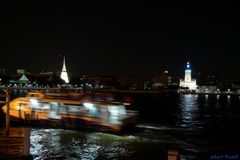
(15, 144)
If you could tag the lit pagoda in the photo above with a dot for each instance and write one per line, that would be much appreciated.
(64, 74)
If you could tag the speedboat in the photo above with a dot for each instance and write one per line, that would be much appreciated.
(82, 111)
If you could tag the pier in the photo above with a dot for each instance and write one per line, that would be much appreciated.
(15, 144)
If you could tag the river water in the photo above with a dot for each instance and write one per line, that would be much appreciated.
(197, 126)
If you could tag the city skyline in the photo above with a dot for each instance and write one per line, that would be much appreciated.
(115, 39)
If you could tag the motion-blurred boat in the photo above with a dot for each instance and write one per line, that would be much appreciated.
(72, 110)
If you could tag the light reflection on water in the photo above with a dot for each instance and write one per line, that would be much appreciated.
(188, 114)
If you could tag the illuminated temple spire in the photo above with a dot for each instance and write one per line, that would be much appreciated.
(64, 75)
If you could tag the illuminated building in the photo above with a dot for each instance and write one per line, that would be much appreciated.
(23, 79)
(64, 75)
(188, 82)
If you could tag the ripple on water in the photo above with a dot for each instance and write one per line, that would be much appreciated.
(74, 144)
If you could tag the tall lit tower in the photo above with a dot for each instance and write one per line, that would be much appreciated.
(188, 72)
(64, 74)
(188, 81)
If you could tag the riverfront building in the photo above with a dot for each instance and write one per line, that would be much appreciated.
(188, 82)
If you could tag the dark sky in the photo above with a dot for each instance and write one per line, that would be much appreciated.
(140, 37)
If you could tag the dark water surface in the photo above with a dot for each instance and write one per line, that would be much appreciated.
(197, 126)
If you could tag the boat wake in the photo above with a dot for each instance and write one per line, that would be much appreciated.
(152, 127)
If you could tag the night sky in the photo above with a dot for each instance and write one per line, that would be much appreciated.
(120, 37)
